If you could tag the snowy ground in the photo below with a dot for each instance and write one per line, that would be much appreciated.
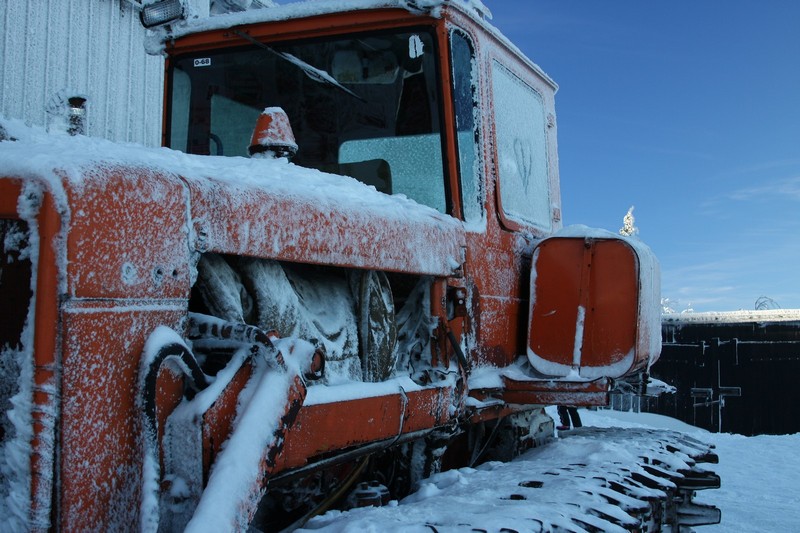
(760, 484)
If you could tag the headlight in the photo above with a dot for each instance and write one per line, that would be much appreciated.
(161, 12)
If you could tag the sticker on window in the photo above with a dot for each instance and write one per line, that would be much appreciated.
(202, 62)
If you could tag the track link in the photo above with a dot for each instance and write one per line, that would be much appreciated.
(589, 479)
(659, 488)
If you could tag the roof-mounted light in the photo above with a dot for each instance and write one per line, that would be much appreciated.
(161, 12)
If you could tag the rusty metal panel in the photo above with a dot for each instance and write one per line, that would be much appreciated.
(558, 393)
(586, 303)
(556, 300)
(329, 427)
(128, 234)
(101, 451)
(297, 229)
(613, 304)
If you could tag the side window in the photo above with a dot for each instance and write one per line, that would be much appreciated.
(181, 96)
(465, 93)
(520, 127)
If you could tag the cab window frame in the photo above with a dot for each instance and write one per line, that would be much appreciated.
(543, 223)
(437, 102)
(471, 212)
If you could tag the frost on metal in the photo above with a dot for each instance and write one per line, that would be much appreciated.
(187, 504)
(315, 305)
(222, 185)
(198, 18)
(238, 467)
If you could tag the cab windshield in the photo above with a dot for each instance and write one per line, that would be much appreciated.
(366, 106)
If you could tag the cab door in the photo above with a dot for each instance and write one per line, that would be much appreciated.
(508, 184)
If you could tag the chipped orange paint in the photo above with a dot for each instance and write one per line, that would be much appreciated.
(324, 428)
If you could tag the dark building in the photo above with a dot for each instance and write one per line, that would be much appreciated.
(734, 372)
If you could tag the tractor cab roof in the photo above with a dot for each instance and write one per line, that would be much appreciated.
(474, 10)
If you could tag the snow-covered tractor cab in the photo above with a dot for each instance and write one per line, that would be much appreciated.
(217, 341)
(421, 102)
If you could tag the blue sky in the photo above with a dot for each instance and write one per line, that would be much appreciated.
(689, 111)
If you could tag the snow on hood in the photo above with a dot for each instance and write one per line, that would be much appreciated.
(36, 153)
(237, 199)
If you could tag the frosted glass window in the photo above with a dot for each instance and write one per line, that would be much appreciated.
(414, 161)
(521, 149)
(466, 109)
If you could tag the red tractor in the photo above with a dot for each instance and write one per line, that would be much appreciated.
(197, 338)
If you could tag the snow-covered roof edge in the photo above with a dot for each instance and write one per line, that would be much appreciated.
(299, 10)
(474, 9)
(513, 48)
(733, 317)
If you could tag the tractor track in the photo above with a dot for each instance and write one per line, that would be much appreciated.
(610, 479)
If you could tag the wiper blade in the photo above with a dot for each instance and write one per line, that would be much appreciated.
(318, 75)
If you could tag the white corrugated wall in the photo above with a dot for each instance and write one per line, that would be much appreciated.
(91, 48)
